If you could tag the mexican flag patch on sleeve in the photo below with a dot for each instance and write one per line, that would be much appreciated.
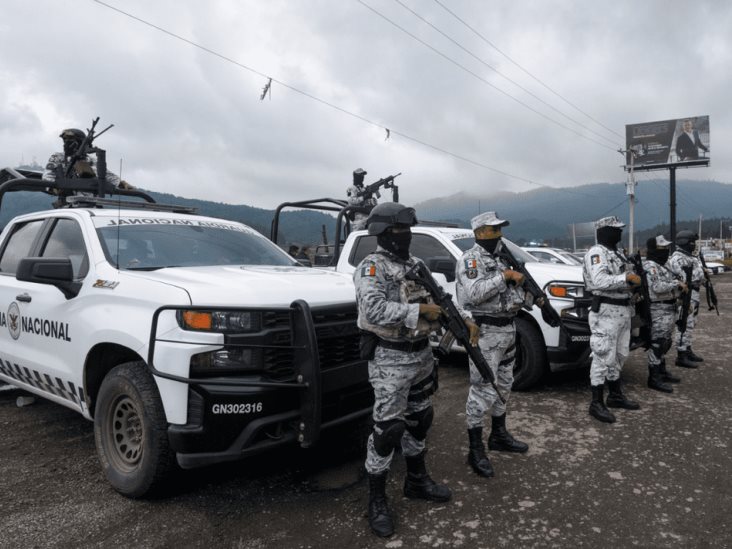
(471, 264)
(368, 270)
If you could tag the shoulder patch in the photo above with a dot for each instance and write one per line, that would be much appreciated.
(369, 269)
(471, 264)
(472, 273)
(595, 259)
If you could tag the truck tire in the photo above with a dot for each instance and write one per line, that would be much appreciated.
(130, 431)
(531, 362)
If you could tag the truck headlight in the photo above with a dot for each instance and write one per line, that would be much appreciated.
(226, 361)
(228, 322)
(563, 290)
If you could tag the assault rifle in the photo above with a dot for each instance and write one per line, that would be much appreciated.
(386, 182)
(85, 148)
(645, 299)
(452, 322)
(686, 301)
(548, 313)
(711, 294)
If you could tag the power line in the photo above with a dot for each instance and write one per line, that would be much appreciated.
(448, 10)
(331, 105)
(482, 61)
(478, 77)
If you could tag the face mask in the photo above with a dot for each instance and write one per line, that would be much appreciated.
(488, 244)
(659, 256)
(70, 147)
(609, 236)
(396, 243)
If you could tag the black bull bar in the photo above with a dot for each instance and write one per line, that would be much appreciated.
(306, 362)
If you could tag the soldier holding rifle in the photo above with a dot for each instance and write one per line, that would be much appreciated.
(493, 293)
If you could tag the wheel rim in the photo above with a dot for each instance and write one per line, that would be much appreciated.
(125, 434)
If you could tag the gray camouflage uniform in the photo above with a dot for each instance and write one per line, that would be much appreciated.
(663, 290)
(403, 381)
(604, 273)
(676, 263)
(359, 221)
(58, 159)
(482, 290)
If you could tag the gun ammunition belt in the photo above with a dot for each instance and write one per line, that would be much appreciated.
(405, 346)
(494, 320)
(613, 301)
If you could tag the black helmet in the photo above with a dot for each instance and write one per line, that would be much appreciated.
(388, 214)
(72, 134)
(685, 237)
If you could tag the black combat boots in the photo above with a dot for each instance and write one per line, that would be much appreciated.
(380, 519)
(476, 455)
(419, 485)
(616, 398)
(694, 357)
(501, 440)
(666, 375)
(598, 410)
(684, 360)
(656, 381)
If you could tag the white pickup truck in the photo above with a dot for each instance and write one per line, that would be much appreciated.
(188, 340)
(540, 348)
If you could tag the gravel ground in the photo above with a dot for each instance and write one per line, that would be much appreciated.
(659, 477)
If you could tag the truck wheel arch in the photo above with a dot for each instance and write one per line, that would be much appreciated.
(100, 360)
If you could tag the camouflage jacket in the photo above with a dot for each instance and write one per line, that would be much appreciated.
(604, 272)
(355, 200)
(58, 159)
(662, 284)
(388, 304)
(680, 259)
(481, 288)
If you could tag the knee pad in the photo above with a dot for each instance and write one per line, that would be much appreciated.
(387, 436)
(418, 423)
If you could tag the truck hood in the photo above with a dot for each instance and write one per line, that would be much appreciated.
(255, 285)
(544, 273)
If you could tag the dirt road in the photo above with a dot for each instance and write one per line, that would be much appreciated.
(659, 477)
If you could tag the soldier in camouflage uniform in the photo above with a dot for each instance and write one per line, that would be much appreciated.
(608, 276)
(356, 199)
(397, 316)
(59, 161)
(492, 292)
(682, 257)
(663, 289)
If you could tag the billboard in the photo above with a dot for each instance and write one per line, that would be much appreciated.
(666, 143)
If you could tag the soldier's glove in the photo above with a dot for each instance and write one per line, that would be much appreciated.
(474, 331)
(633, 279)
(430, 311)
(125, 186)
(509, 275)
(539, 302)
(683, 287)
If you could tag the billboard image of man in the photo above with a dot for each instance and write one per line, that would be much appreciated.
(688, 142)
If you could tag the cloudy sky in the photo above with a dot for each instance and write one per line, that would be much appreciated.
(547, 107)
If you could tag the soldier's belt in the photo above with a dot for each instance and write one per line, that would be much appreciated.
(613, 301)
(666, 302)
(405, 346)
(494, 320)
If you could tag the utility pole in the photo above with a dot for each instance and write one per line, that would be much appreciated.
(630, 191)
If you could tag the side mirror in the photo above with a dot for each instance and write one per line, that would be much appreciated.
(56, 271)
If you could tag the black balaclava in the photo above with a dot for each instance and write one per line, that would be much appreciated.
(609, 236)
(396, 243)
(70, 146)
(654, 253)
(488, 244)
(688, 246)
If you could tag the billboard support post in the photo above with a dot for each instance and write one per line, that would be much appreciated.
(672, 209)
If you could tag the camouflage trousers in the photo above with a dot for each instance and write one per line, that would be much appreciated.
(393, 374)
(609, 342)
(663, 317)
(498, 344)
(683, 341)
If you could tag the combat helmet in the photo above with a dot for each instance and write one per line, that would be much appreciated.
(73, 134)
(686, 238)
(388, 214)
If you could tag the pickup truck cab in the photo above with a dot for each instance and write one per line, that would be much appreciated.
(188, 340)
(540, 348)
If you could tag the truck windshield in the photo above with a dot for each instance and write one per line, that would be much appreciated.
(151, 247)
